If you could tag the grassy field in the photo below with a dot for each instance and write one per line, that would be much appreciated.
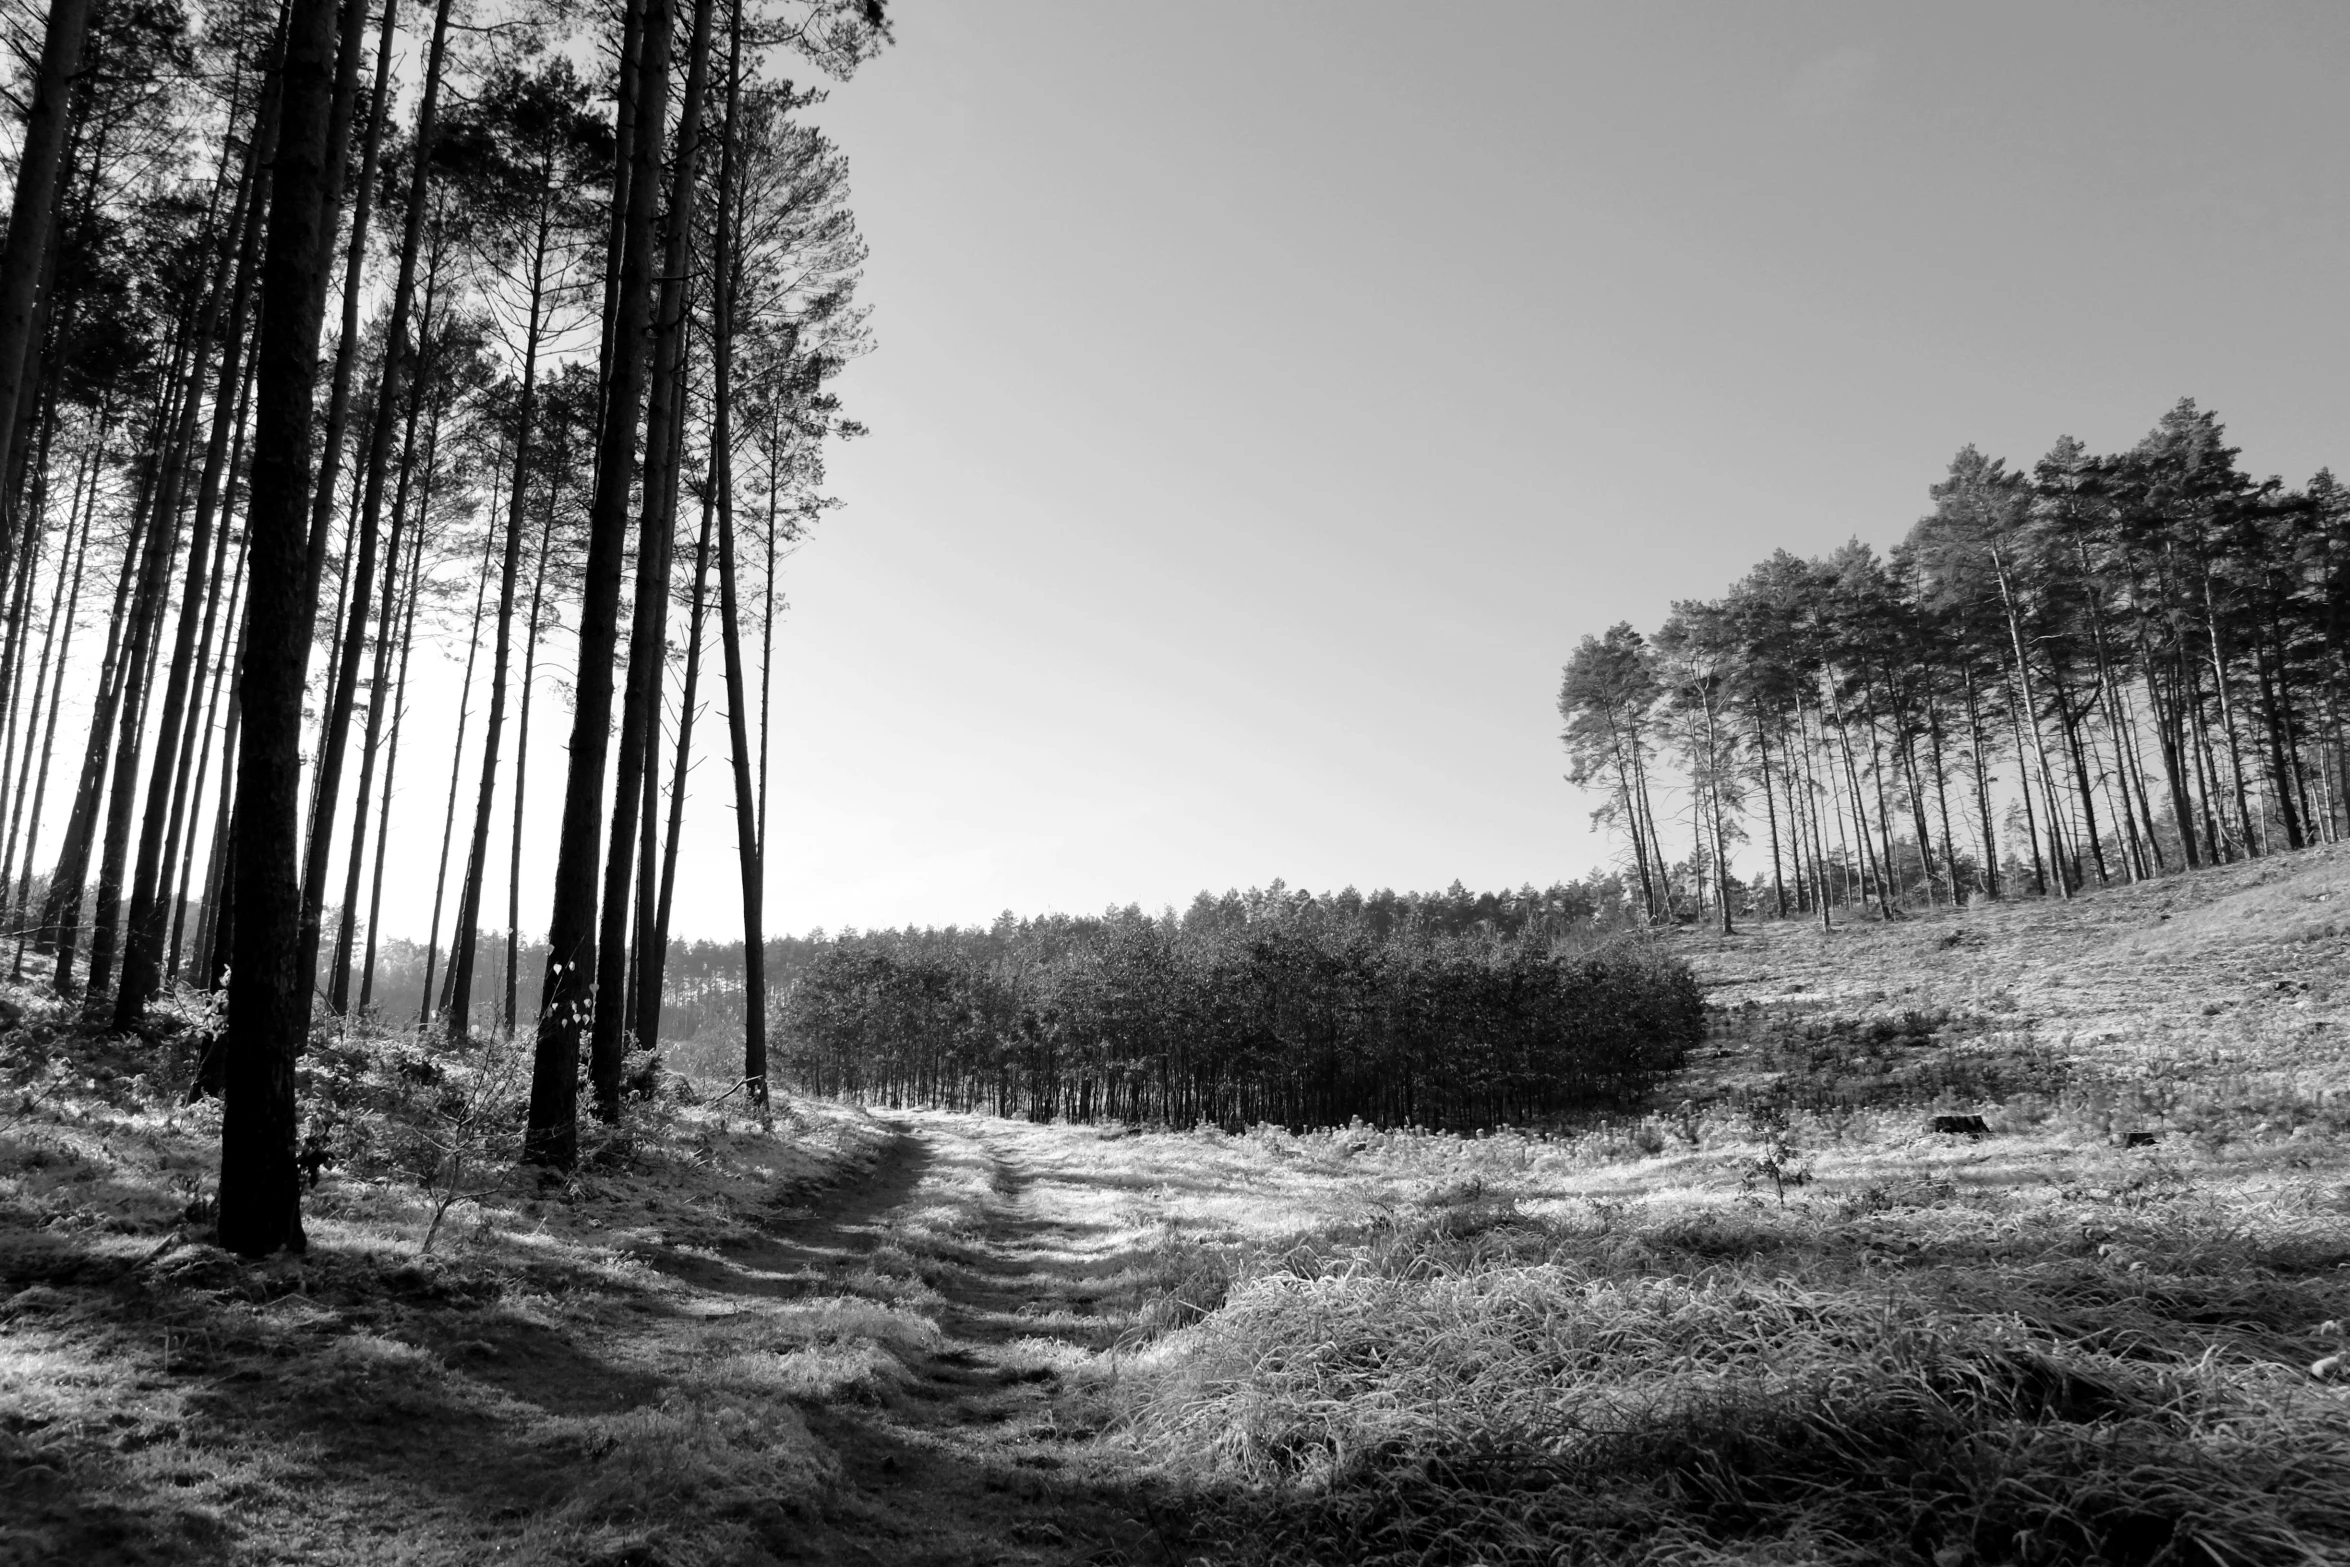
(1780, 1319)
(1775, 1318)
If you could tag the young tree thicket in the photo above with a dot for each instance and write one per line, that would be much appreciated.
(1449, 1011)
(328, 329)
(2098, 670)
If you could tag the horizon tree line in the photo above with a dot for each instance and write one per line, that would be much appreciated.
(2102, 669)
(593, 278)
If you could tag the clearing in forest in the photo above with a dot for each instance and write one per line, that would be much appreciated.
(1777, 1317)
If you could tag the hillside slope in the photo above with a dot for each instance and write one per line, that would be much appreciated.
(2218, 983)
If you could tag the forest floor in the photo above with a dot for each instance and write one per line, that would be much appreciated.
(1771, 1317)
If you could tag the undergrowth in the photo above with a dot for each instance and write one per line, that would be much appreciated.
(463, 1331)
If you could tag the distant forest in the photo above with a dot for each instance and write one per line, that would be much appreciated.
(1452, 1010)
(702, 999)
(2102, 669)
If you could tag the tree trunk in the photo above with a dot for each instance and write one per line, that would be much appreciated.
(212, 930)
(47, 693)
(440, 885)
(36, 509)
(467, 935)
(2069, 723)
(2276, 719)
(1713, 790)
(651, 954)
(648, 652)
(2134, 790)
(530, 664)
(2169, 715)
(195, 748)
(750, 849)
(383, 820)
(1648, 889)
(420, 391)
(32, 216)
(2031, 715)
(552, 1136)
(338, 401)
(129, 685)
(222, 666)
(775, 483)
(22, 903)
(650, 972)
(172, 439)
(60, 911)
(1979, 745)
(269, 997)
(2227, 711)
(399, 355)
(629, 82)
(143, 947)
(1762, 745)
(1860, 815)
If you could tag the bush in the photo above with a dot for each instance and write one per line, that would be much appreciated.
(448, 1120)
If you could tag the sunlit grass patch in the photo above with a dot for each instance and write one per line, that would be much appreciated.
(184, 1404)
(1475, 1414)
(1044, 1353)
(819, 1348)
(705, 1478)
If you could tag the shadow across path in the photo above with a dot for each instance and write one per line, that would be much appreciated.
(985, 1449)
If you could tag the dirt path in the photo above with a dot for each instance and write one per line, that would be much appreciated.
(981, 1450)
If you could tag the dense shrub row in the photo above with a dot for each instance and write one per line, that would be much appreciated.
(1292, 1011)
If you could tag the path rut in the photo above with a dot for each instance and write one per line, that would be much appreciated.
(984, 1452)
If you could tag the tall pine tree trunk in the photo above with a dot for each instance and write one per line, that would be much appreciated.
(338, 400)
(750, 850)
(440, 885)
(657, 948)
(383, 820)
(65, 601)
(32, 216)
(233, 273)
(143, 947)
(2031, 715)
(2227, 712)
(648, 651)
(269, 997)
(530, 664)
(339, 984)
(552, 1134)
(222, 665)
(12, 704)
(399, 366)
(644, 1011)
(467, 935)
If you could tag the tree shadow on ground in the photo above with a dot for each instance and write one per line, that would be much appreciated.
(167, 1403)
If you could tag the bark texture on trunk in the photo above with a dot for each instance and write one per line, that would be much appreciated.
(269, 997)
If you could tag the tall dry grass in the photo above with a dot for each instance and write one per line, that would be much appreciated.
(1480, 1386)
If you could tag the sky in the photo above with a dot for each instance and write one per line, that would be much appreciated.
(1267, 397)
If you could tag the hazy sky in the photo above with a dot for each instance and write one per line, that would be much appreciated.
(1269, 395)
